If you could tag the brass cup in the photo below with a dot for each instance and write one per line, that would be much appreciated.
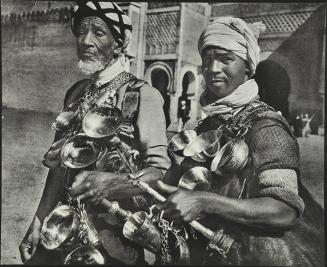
(80, 151)
(232, 156)
(84, 255)
(204, 146)
(102, 121)
(197, 179)
(140, 229)
(64, 119)
(180, 141)
(60, 229)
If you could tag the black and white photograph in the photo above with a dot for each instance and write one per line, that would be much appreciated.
(163, 133)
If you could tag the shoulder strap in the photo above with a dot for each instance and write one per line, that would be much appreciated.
(251, 113)
(131, 100)
(76, 91)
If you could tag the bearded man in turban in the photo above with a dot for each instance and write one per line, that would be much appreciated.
(258, 207)
(102, 33)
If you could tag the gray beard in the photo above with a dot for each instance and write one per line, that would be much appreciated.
(90, 67)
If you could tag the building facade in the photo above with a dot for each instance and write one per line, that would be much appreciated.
(163, 49)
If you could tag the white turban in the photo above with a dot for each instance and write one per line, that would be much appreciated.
(235, 35)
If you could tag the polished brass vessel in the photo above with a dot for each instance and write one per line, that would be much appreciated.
(180, 140)
(204, 146)
(233, 156)
(84, 255)
(80, 151)
(197, 179)
(102, 121)
(143, 230)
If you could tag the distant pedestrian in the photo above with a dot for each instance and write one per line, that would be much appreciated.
(183, 112)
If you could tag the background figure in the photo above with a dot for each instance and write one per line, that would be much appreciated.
(306, 129)
(297, 126)
(274, 86)
(184, 107)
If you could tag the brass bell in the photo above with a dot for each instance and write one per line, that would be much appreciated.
(102, 121)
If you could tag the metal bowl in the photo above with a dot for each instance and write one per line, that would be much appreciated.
(180, 141)
(232, 156)
(64, 119)
(84, 255)
(197, 179)
(102, 121)
(60, 228)
(204, 146)
(80, 151)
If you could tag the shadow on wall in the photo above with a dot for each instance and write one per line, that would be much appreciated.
(274, 89)
(274, 86)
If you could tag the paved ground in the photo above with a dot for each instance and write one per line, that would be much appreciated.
(25, 138)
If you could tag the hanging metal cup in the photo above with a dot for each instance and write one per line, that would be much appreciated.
(80, 151)
(204, 146)
(140, 229)
(197, 179)
(64, 119)
(66, 228)
(84, 255)
(180, 140)
(60, 229)
(102, 121)
(231, 157)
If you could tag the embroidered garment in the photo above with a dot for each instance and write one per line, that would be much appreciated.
(139, 103)
(108, 74)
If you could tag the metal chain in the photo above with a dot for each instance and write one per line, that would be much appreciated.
(163, 253)
(83, 225)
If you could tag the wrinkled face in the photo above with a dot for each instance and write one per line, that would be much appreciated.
(95, 44)
(223, 71)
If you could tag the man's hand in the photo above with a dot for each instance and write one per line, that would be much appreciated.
(94, 186)
(185, 205)
(29, 244)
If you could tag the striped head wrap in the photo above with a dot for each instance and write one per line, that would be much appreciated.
(118, 23)
(235, 35)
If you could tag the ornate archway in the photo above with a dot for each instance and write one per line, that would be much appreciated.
(160, 76)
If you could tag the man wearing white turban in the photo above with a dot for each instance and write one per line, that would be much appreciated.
(235, 35)
(260, 211)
